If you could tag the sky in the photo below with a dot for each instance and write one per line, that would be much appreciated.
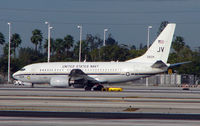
(127, 20)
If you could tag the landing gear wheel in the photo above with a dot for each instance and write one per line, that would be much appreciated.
(98, 88)
(87, 88)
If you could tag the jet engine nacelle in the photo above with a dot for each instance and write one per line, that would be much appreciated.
(59, 82)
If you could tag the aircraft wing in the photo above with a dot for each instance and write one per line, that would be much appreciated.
(178, 64)
(78, 74)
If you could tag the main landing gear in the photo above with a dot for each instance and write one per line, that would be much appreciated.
(88, 88)
(95, 88)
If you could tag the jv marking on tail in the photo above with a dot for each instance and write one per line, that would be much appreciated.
(161, 49)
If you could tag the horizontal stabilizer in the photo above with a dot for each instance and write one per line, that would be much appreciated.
(159, 64)
(178, 64)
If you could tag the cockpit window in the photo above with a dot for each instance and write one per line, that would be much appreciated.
(23, 69)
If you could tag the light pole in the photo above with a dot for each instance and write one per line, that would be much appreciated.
(9, 29)
(80, 27)
(49, 40)
(149, 27)
(148, 30)
(104, 38)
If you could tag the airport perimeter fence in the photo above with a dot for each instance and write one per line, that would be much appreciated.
(175, 80)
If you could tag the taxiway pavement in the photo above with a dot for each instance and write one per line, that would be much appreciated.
(154, 106)
(132, 99)
(27, 121)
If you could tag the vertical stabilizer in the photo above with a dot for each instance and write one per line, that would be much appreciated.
(160, 48)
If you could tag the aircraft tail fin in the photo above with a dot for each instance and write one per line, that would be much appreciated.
(159, 50)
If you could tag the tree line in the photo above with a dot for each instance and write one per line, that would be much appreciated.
(66, 49)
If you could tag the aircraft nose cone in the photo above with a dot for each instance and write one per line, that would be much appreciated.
(14, 75)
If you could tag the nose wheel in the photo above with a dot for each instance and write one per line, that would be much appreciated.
(32, 85)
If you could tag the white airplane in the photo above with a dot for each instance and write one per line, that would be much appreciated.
(94, 74)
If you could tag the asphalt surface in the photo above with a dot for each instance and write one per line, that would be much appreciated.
(33, 121)
(99, 115)
(146, 106)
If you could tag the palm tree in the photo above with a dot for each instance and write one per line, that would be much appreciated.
(15, 42)
(52, 45)
(36, 38)
(69, 41)
(84, 49)
(59, 46)
(162, 27)
(2, 39)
